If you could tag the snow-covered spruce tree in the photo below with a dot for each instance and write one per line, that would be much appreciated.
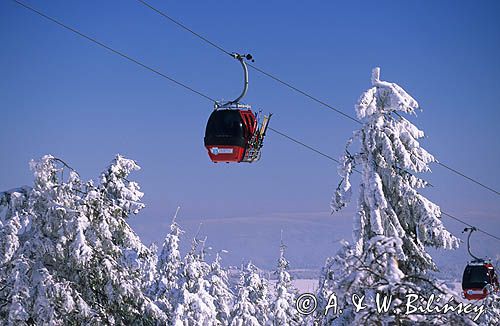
(244, 312)
(325, 289)
(169, 267)
(34, 227)
(194, 305)
(71, 257)
(219, 290)
(491, 304)
(116, 268)
(491, 314)
(394, 223)
(283, 311)
(149, 270)
(253, 298)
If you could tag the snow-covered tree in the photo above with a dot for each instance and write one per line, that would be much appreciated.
(252, 300)
(71, 257)
(149, 270)
(325, 289)
(394, 222)
(194, 305)
(169, 268)
(491, 314)
(491, 303)
(283, 311)
(219, 290)
(244, 311)
(37, 225)
(115, 275)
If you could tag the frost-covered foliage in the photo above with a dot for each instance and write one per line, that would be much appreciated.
(283, 311)
(169, 268)
(492, 310)
(376, 271)
(394, 223)
(325, 289)
(252, 303)
(149, 270)
(219, 290)
(194, 305)
(68, 255)
(492, 303)
(244, 311)
(389, 203)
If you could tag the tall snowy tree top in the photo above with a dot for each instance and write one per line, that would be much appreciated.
(283, 275)
(220, 291)
(389, 203)
(385, 97)
(170, 250)
(169, 264)
(48, 175)
(283, 310)
(125, 193)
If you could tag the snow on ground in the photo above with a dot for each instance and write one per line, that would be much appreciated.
(302, 285)
(306, 285)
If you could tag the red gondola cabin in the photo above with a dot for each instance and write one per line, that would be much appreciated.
(234, 136)
(479, 280)
(233, 133)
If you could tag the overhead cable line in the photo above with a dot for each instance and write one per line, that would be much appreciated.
(185, 27)
(220, 48)
(470, 225)
(137, 62)
(467, 177)
(306, 94)
(196, 92)
(304, 145)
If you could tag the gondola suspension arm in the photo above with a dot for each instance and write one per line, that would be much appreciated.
(470, 230)
(241, 58)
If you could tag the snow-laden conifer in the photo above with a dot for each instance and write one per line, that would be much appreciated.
(219, 290)
(169, 267)
(253, 298)
(491, 314)
(194, 305)
(149, 270)
(394, 222)
(71, 257)
(118, 254)
(326, 286)
(244, 311)
(283, 311)
(491, 303)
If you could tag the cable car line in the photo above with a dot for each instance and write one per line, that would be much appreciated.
(137, 62)
(467, 177)
(185, 28)
(304, 145)
(218, 47)
(470, 225)
(315, 99)
(305, 94)
(200, 93)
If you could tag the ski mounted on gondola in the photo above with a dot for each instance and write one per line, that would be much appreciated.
(234, 133)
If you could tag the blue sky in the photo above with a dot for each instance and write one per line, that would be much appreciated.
(62, 95)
